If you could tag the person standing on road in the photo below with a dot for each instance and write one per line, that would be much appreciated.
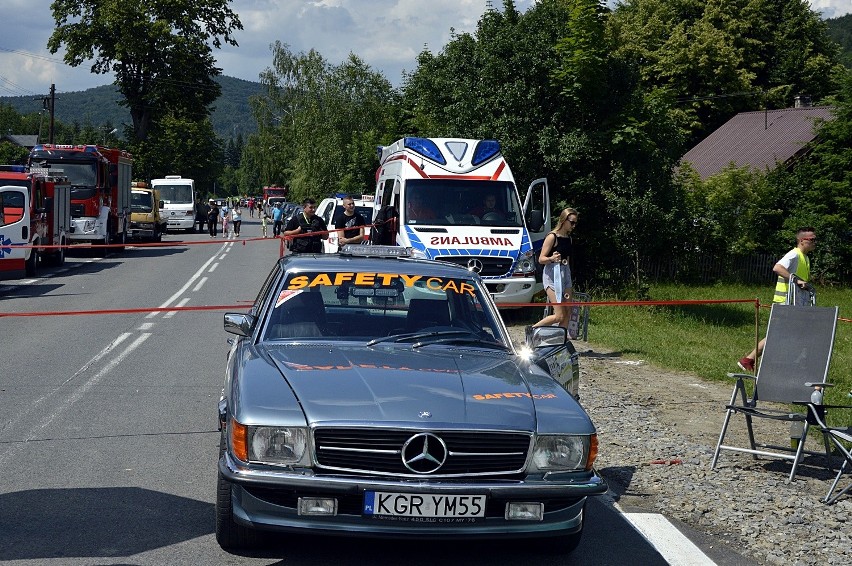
(277, 219)
(237, 220)
(212, 217)
(307, 222)
(264, 221)
(352, 221)
(200, 215)
(226, 221)
(795, 262)
(555, 256)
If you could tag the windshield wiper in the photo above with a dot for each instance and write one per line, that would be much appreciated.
(464, 340)
(415, 336)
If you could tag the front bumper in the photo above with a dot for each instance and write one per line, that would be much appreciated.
(177, 222)
(267, 499)
(512, 289)
(87, 229)
(142, 230)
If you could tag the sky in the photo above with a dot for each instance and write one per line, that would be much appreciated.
(386, 34)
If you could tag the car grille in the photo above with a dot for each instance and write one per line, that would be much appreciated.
(491, 266)
(379, 451)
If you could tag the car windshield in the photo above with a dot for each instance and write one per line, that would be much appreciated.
(383, 307)
(141, 202)
(176, 194)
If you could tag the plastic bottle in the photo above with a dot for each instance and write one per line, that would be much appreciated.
(816, 397)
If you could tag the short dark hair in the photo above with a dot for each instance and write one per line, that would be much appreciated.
(804, 229)
(308, 200)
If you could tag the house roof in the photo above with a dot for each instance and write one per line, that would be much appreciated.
(759, 140)
(21, 140)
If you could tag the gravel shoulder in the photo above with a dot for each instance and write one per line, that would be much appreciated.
(657, 430)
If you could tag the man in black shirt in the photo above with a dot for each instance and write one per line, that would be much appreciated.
(306, 222)
(351, 220)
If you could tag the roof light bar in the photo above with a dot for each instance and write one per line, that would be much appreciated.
(427, 148)
(360, 250)
(485, 150)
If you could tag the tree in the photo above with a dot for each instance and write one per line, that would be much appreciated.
(720, 57)
(319, 124)
(158, 50)
(190, 147)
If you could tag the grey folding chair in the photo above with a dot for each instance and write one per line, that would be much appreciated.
(840, 437)
(799, 341)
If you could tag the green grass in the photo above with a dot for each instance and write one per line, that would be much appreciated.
(707, 340)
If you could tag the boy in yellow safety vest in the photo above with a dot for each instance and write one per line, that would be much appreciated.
(795, 262)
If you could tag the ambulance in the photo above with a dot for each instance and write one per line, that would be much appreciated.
(457, 201)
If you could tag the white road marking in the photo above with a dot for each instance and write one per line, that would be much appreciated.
(672, 544)
(200, 284)
(181, 303)
(213, 268)
(146, 326)
(186, 286)
(83, 389)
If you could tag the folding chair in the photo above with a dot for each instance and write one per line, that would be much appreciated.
(837, 435)
(798, 296)
(798, 349)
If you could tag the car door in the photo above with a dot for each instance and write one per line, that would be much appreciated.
(14, 226)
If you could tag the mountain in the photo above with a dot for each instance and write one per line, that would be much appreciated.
(840, 30)
(100, 105)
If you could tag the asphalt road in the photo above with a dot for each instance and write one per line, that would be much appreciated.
(108, 439)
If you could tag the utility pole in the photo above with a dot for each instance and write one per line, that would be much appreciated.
(52, 106)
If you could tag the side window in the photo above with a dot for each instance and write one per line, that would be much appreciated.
(265, 289)
(11, 207)
(326, 214)
(387, 192)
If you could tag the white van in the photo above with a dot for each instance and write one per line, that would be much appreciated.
(178, 197)
(329, 208)
(457, 202)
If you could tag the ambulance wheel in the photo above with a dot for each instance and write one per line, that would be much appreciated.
(31, 265)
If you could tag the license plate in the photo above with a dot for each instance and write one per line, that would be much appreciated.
(425, 506)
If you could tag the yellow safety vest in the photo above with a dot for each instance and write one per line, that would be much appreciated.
(803, 272)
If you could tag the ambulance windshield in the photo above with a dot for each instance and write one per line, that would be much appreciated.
(455, 202)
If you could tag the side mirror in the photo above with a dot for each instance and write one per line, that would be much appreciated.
(536, 220)
(546, 337)
(239, 323)
(161, 204)
(47, 204)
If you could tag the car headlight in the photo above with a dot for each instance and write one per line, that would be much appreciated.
(526, 263)
(269, 445)
(563, 453)
(273, 445)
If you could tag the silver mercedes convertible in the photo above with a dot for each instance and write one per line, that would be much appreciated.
(368, 393)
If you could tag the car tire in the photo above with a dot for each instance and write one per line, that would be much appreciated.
(229, 534)
(566, 544)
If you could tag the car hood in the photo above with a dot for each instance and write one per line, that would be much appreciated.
(434, 384)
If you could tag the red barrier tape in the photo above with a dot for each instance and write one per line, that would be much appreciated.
(219, 240)
(125, 311)
(628, 303)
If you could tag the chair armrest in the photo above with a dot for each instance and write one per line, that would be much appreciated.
(818, 384)
(742, 376)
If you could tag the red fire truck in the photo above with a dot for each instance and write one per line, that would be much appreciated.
(273, 191)
(35, 212)
(100, 189)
